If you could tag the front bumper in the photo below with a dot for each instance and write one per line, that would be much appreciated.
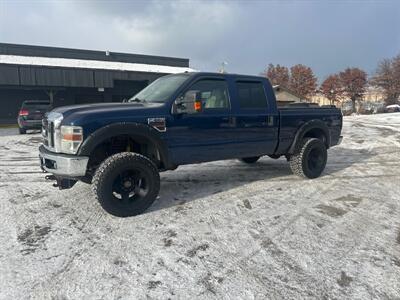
(63, 165)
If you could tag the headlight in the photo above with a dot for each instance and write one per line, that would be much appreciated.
(71, 138)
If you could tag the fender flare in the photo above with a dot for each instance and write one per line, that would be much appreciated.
(133, 130)
(307, 127)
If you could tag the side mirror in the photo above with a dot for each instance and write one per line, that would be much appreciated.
(190, 103)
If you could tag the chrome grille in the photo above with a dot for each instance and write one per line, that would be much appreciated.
(51, 131)
(48, 132)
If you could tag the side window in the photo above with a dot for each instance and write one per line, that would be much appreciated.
(214, 93)
(251, 95)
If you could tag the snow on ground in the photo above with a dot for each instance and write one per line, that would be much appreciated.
(219, 230)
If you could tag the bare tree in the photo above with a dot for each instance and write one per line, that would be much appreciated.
(387, 77)
(332, 88)
(302, 81)
(278, 75)
(354, 82)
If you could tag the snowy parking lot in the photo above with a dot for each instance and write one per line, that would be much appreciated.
(218, 230)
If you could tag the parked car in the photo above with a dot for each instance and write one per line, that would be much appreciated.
(179, 119)
(392, 108)
(31, 114)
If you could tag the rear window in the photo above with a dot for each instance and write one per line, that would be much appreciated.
(251, 95)
(35, 103)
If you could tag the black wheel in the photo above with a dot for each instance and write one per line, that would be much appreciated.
(249, 160)
(274, 156)
(126, 184)
(22, 130)
(310, 158)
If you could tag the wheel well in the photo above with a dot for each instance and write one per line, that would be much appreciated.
(124, 143)
(317, 133)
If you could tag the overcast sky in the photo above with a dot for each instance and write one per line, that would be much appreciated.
(325, 35)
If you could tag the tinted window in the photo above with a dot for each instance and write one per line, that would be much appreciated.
(214, 93)
(36, 103)
(251, 94)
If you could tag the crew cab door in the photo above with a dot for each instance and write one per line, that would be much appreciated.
(256, 122)
(206, 135)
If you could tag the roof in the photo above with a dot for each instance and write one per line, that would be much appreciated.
(278, 88)
(25, 65)
(89, 64)
(43, 51)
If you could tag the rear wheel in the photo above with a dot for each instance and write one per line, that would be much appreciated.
(22, 130)
(310, 158)
(250, 160)
(126, 184)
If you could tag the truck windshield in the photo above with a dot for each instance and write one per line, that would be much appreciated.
(160, 90)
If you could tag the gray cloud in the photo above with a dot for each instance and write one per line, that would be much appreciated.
(327, 36)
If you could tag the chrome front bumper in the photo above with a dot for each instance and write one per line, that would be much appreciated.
(63, 165)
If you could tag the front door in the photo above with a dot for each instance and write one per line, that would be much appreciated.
(207, 135)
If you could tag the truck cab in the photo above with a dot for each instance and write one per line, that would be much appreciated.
(180, 119)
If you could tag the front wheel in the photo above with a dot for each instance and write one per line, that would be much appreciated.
(22, 130)
(126, 184)
(310, 158)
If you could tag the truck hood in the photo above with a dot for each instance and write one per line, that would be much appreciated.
(89, 113)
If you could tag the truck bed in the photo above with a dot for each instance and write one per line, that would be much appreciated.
(291, 118)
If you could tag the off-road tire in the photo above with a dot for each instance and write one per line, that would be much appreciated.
(104, 179)
(22, 131)
(310, 158)
(250, 160)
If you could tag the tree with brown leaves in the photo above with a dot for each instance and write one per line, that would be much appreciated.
(278, 75)
(332, 88)
(302, 81)
(354, 82)
(387, 77)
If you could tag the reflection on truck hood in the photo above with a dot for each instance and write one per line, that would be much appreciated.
(76, 114)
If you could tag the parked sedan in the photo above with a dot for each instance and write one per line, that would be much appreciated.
(31, 114)
(393, 108)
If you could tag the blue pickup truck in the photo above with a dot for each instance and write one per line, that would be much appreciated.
(179, 119)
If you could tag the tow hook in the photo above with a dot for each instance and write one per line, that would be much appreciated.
(50, 177)
(61, 183)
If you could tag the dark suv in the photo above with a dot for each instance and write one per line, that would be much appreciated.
(31, 114)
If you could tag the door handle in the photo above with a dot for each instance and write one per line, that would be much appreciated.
(270, 120)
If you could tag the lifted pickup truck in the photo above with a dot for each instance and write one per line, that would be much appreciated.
(188, 118)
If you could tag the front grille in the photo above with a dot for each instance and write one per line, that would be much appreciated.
(51, 134)
(48, 133)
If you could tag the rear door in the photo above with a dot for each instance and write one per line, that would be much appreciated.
(256, 123)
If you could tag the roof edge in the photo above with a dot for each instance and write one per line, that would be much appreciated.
(59, 52)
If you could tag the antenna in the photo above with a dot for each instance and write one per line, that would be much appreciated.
(223, 65)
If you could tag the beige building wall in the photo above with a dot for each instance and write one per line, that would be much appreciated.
(284, 96)
(372, 95)
(320, 99)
